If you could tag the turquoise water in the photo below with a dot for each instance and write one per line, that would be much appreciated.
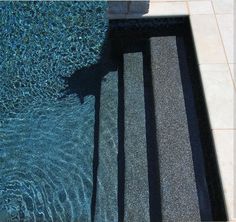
(46, 136)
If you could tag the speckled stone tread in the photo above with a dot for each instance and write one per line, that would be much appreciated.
(107, 185)
(136, 198)
(178, 187)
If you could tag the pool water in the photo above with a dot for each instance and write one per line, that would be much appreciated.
(46, 133)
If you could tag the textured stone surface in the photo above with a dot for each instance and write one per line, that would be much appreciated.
(136, 172)
(106, 202)
(177, 179)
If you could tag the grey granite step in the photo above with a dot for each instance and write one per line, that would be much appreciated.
(136, 196)
(177, 180)
(107, 175)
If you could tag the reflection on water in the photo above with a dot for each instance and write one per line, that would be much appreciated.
(46, 161)
(43, 41)
(46, 143)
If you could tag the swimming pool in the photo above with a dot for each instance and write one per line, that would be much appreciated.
(102, 120)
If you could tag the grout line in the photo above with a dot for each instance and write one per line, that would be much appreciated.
(215, 63)
(224, 129)
(203, 14)
(188, 9)
(224, 13)
(234, 84)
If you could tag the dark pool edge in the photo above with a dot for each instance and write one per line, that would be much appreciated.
(194, 134)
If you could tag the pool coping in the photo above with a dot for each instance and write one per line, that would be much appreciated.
(216, 65)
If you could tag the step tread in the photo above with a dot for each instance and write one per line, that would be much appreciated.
(177, 179)
(136, 196)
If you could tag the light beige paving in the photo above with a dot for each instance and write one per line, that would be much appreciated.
(168, 8)
(226, 22)
(207, 39)
(224, 144)
(168, 1)
(223, 6)
(219, 92)
(200, 7)
(232, 69)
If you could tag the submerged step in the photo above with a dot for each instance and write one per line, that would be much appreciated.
(107, 176)
(177, 179)
(136, 196)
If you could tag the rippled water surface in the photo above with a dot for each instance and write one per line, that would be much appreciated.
(47, 137)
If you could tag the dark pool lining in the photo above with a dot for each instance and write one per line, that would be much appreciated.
(180, 27)
(197, 155)
(121, 148)
(152, 151)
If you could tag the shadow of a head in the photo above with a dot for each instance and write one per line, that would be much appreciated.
(84, 82)
(87, 81)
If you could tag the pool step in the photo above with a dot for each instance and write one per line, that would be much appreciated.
(107, 175)
(136, 193)
(145, 147)
(179, 198)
